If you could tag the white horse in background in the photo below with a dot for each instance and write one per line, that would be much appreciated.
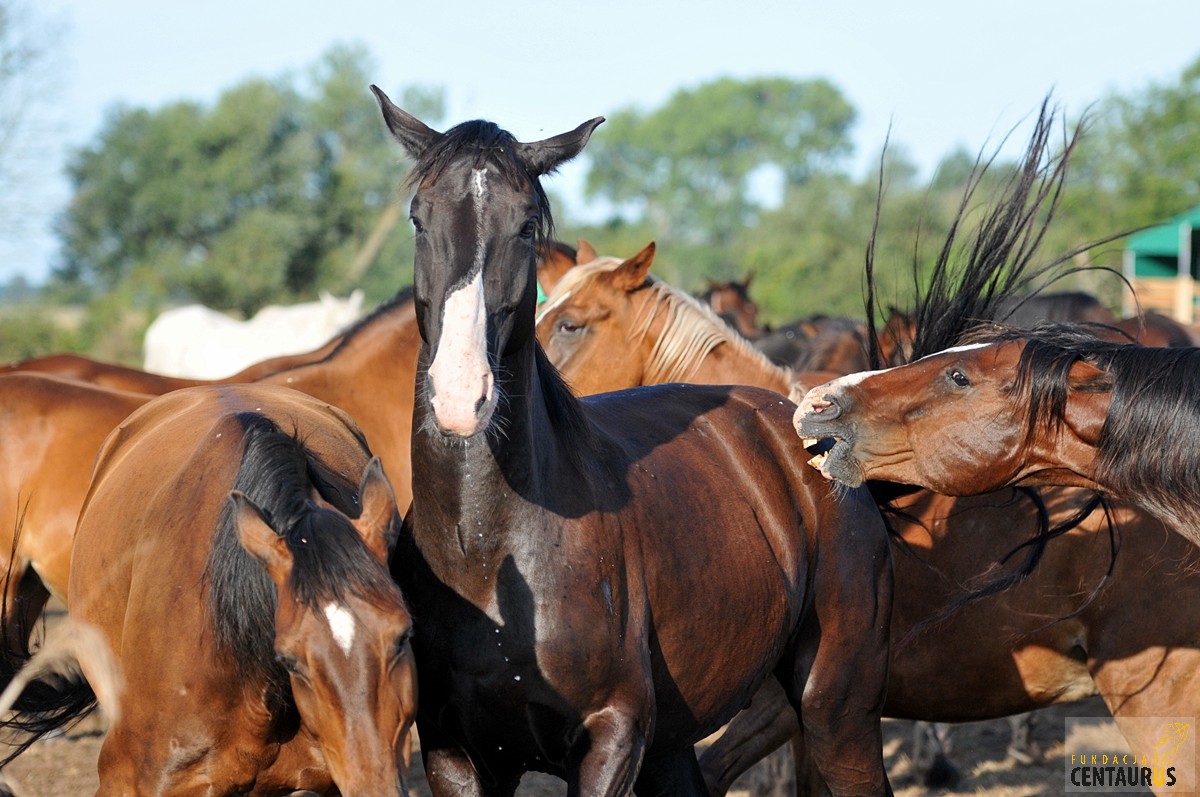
(194, 341)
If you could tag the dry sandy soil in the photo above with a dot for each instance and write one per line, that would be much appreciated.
(66, 766)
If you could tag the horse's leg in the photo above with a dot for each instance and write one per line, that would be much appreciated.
(675, 773)
(754, 732)
(1021, 747)
(836, 674)
(931, 764)
(614, 746)
(450, 773)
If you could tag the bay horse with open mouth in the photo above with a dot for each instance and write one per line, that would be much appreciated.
(599, 584)
(233, 551)
(1048, 405)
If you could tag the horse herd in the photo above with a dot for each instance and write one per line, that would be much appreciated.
(587, 586)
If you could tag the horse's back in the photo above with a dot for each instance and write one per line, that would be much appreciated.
(192, 425)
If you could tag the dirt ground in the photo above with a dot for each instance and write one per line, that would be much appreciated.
(66, 766)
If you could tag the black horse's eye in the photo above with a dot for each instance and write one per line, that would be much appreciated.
(959, 378)
(529, 229)
(416, 223)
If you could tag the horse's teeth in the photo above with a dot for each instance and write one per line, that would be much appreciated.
(818, 461)
(809, 442)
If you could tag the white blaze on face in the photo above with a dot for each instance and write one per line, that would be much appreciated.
(462, 381)
(341, 624)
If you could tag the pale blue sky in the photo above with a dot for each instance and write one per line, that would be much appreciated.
(943, 73)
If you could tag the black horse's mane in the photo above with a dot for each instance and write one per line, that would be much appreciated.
(1154, 405)
(483, 142)
(277, 474)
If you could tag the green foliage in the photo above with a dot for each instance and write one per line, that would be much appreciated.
(31, 330)
(688, 167)
(265, 197)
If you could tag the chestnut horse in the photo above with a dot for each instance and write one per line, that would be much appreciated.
(236, 563)
(609, 325)
(731, 301)
(562, 624)
(122, 377)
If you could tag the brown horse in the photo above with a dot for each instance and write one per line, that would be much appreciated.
(121, 377)
(1061, 407)
(1005, 648)
(1103, 650)
(1155, 329)
(237, 565)
(562, 626)
(818, 343)
(731, 301)
(52, 428)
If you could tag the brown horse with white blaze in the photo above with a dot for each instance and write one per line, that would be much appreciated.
(233, 552)
(562, 627)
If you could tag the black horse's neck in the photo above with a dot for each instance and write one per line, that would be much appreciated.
(479, 485)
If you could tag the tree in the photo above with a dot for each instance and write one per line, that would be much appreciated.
(689, 167)
(266, 196)
(1142, 148)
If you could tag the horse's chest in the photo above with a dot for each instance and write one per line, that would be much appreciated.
(510, 664)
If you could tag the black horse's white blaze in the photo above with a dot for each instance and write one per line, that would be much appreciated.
(464, 390)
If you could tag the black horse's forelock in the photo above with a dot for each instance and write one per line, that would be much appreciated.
(277, 474)
(481, 143)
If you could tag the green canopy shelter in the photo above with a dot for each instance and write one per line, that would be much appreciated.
(1161, 263)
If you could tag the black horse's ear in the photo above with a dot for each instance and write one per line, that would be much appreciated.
(542, 157)
(413, 134)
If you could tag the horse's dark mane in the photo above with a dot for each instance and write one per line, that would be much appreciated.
(483, 142)
(971, 282)
(1155, 404)
(564, 408)
(986, 279)
(277, 474)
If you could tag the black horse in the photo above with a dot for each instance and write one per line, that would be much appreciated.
(599, 584)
